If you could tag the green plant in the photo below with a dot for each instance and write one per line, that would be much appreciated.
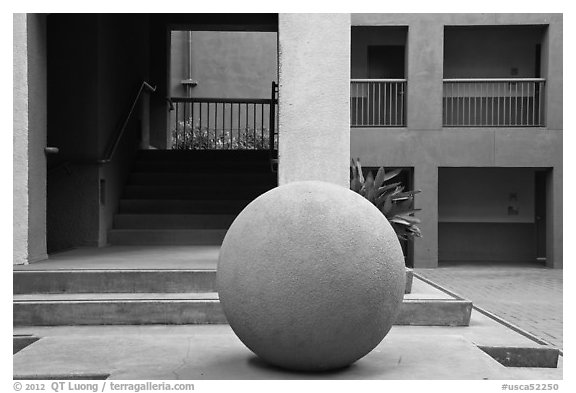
(193, 137)
(391, 199)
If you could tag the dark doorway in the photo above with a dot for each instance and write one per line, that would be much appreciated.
(386, 61)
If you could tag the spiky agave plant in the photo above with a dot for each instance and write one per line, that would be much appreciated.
(391, 199)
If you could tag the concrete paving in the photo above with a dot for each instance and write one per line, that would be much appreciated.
(214, 352)
(528, 296)
(218, 354)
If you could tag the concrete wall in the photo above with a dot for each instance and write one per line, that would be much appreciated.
(225, 64)
(37, 115)
(20, 155)
(29, 170)
(426, 146)
(314, 98)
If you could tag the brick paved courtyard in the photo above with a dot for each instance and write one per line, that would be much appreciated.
(528, 296)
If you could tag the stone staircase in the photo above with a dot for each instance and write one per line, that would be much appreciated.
(168, 296)
(177, 197)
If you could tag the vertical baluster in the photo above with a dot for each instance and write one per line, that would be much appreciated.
(215, 125)
(362, 103)
(492, 105)
(384, 107)
(192, 125)
(522, 104)
(246, 129)
(509, 103)
(395, 103)
(481, 88)
(390, 103)
(371, 101)
(238, 131)
(451, 103)
(378, 104)
(498, 113)
(356, 104)
(254, 123)
(208, 122)
(175, 145)
(231, 125)
(468, 88)
(533, 102)
(262, 125)
(351, 104)
(474, 88)
(185, 146)
(456, 100)
(403, 123)
(516, 104)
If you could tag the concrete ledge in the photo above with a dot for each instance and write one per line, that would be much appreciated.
(122, 281)
(113, 281)
(435, 312)
(546, 357)
(204, 308)
(117, 312)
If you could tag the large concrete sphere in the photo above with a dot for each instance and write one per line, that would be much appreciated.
(311, 276)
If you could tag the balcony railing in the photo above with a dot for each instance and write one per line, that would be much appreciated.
(493, 102)
(224, 123)
(378, 102)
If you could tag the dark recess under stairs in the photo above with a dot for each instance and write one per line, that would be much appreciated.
(179, 197)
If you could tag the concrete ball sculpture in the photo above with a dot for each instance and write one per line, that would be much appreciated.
(311, 276)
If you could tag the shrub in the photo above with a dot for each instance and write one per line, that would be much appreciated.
(390, 198)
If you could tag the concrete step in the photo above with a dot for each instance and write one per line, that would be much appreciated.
(117, 309)
(201, 167)
(204, 155)
(188, 308)
(173, 221)
(182, 206)
(61, 281)
(203, 179)
(434, 312)
(166, 236)
(113, 281)
(199, 192)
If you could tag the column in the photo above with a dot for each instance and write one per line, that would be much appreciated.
(314, 98)
(426, 247)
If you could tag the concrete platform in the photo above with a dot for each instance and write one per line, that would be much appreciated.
(214, 352)
(427, 307)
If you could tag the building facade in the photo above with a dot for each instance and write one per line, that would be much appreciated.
(469, 105)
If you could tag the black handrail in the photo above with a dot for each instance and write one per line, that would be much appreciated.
(212, 100)
(113, 146)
